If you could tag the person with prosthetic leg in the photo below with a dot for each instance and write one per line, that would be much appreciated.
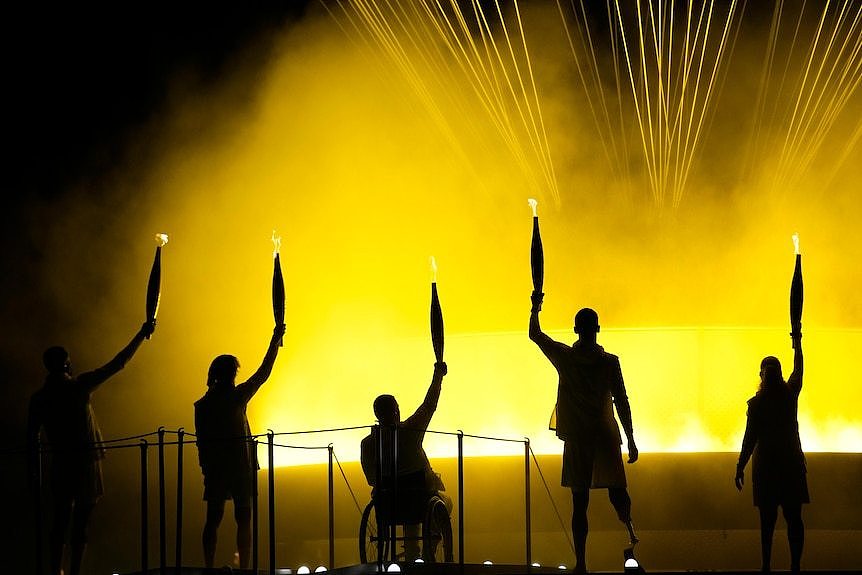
(590, 385)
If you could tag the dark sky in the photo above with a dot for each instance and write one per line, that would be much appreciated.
(80, 77)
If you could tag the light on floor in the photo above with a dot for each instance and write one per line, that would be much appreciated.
(630, 564)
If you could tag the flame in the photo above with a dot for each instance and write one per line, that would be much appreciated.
(533, 203)
(796, 243)
(161, 239)
(433, 269)
(276, 243)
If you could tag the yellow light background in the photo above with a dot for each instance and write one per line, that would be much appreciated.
(344, 163)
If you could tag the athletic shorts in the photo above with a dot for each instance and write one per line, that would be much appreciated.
(221, 486)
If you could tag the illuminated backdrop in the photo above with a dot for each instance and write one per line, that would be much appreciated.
(368, 161)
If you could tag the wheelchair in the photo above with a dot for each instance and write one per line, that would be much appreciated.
(413, 507)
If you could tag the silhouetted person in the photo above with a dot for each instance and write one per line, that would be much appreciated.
(778, 472)
(63, 410)
(417, 481)
(590, 384)
(227, 456)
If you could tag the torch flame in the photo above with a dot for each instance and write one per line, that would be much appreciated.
(533, 203)
(276, 243)
(796, 243)
(161, 239)
(433, 269)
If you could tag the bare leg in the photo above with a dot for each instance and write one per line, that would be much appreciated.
(580, 528)
(80, 518)
(215, 512)
(768, 515)
(242, 514)
(622, 503)
(795, 534)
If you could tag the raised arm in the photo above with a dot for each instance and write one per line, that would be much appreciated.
(795, 379)
(536, 334)
(250, 387)
(549, 347)
(93, 379)
(423, 414)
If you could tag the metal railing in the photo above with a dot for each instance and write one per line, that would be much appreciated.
(180, 442)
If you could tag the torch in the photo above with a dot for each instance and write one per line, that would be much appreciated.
(796, 294)
(277, 285)
(154, 286)
(436, 315)
(537, 255)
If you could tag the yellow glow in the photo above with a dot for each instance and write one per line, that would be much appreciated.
(796, 244)
(433, 269)
(533, 204)
(276, 243)
(327, 122)
(687, 386)
(161, 239)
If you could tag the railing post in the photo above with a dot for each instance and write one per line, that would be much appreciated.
(255, 515)
(393, 510)
(528, 531)
(163, 547)
(179, 535)
(379, 487)
(270, 452)
(331, 491)
(144, 507)
(461, 501)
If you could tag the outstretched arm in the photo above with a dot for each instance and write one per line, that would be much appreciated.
(423, 414)
(93, 379)
(250, 387)
(549, 347)
(541, 339)
(795, 379)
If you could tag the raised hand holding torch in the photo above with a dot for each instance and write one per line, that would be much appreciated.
(436, 315)
(537, 259)
(277, 285)
(154, 285)
(796, 296)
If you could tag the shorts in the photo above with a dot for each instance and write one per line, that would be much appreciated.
(220, 486)
(590, 466)
(77, 480)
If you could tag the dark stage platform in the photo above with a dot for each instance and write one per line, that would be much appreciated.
(454, 569)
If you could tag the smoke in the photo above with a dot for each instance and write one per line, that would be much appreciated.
(328, 143)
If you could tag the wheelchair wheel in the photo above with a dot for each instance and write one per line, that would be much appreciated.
(368, 536)
(437, 533)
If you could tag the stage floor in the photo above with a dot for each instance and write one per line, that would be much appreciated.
(455, 569)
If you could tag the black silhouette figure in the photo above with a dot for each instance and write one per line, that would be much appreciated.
(590, 384)
(62, 409)
(778, 470)
(416, 480)
(227, 456)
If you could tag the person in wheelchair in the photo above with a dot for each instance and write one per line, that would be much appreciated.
(416, 482)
